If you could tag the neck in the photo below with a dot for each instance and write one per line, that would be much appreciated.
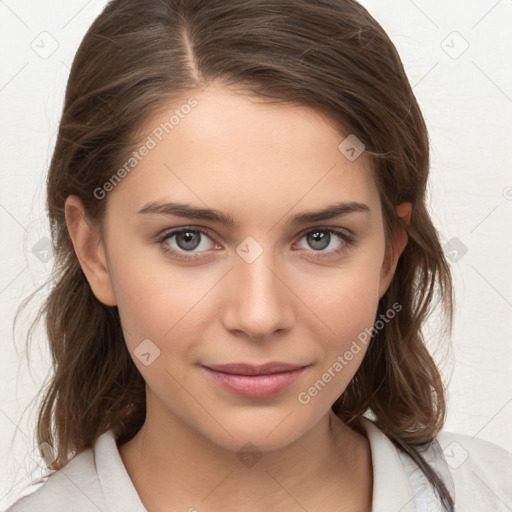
(170, 463)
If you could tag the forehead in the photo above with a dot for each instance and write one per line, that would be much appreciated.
(234, 152)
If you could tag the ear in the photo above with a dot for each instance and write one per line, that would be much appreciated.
(89, 251)
(394, 250)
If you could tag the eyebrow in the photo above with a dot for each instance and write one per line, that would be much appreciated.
(190, 212)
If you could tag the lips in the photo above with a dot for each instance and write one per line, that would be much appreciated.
(252, 381)
(249, 369)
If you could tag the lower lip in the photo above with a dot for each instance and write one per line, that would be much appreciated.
(255, 386)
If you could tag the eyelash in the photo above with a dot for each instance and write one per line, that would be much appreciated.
(347, 240)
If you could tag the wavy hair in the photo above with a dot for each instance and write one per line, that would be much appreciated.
(331, 55)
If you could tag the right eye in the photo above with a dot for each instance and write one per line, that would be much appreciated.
(186, 240)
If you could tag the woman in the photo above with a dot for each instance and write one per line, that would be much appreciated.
(244, 261)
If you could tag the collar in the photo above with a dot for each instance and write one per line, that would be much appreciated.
(391, 488)
(118, 489)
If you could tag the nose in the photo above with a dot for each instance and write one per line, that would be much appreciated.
(257, 300)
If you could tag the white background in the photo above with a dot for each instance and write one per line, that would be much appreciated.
(467, 102)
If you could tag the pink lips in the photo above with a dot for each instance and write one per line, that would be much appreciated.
(255, 381)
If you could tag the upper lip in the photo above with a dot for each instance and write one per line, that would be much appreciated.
(250, 369)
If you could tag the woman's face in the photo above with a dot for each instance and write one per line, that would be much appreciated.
(272, 285)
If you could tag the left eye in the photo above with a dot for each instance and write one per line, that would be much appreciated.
(187, 240)
(319, 239)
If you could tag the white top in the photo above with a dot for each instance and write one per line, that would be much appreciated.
(476, 472)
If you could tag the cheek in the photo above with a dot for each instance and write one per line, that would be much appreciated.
(346, 300)
(155, 298)
(345, 308)
(350, 318)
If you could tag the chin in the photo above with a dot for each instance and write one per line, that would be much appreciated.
(267, 432)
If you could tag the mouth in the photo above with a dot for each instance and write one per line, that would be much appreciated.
(250, 369)
(255, 381)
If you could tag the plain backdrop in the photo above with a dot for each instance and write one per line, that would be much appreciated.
(458, 57)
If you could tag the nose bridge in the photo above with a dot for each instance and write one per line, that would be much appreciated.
(259, 302)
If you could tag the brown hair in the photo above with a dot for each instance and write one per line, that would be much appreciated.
(330, 55)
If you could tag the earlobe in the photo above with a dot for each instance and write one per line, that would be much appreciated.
(399, 242)
(89, 251)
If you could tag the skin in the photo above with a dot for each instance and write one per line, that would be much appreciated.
(261, 164)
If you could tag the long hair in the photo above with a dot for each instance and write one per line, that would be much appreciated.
(330, 55)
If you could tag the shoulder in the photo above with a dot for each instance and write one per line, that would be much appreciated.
(476, 473)
(480, 469)
(460, 450)
(74, 487)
